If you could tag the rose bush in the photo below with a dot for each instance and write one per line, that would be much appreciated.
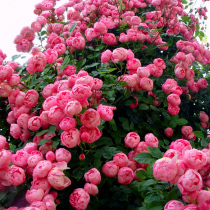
(111, 111)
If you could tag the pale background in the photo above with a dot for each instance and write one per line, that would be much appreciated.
(15, 14)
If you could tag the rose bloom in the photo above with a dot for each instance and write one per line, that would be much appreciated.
(189, 182)
(79, 199)
(2, 142)
(174, 205)
(165, 169)
(203, 117)
(180, 145)
(202, 83)
(72, 108)
(120, 159)
(174, 99)
(68, 123)
(151, 140)
(141, 147)
(91, 134)
(173, 109)
(62, 154)
(109, 39)
(146, 84)
(125, 175)
(91, 189)
(34, 195)
(186, 130)
(132, 139)
(106, 112)
(31, 98)
(15, 175)
(81, 92)
(51, 55)
(110, 169)
(119, 54)
(168, 132)
(42, 169)
(34, 123)
(195, 159)
(70, 138)
(106, 56)
(93, 176)
(90, 118)
(133, 64)
(5, 158)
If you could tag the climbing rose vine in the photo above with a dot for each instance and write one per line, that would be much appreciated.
(111, 110)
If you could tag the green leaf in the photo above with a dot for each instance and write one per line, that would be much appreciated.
(52, 129)
(73, 27)
(43, 141)
(143, 157)
(42, 132)
(109, 152)
(184, 2)
(125, 123)
(166, 115)
(55, 143)
(149, 182)
(141, 174)
(65, 63)
(152, 197)
(14, 57)
(199, 134)
(143, 107)
(172, 195)
(181, 121)
(91, 65)
(185, 18)
(155, 152)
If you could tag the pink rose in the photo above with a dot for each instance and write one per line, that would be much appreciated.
(173, 109)
(133, 64)
(195, 159)
(109, 39)
(3, 141)
(90, 135)
(79, 199)
(55, 114)
(106, 56)
(141, 147)
(15, 131)
(62, 154)
(151, 140)
(203, 117)
(191, 207)
(57, 179)
(168, 85)
(110, 169)
(91, 189)
(34, 195)
(100, 27)
(20, 158)
(78, 42)
(189, 182)
(67, 123)
(132, 139)
(168, 132)
(51, 55)
(42, 169)
(5, 158)
(50, 156)
(125, 175)
(186, 130)
(143, 72)
(34, 123)
(70, 138)
(81, 92)
(119, 54)
(146, 84)
(69, 70)
(174, 99)
(72, 108)
(31, 98)
(159, 63)
(203, 199)
(15, 175)
(33, 160)
(22, 120)
(90, 118)
(180, 145)
(174, 205)
(177, 90)
(39, 204)
(97, 84)
(160, 172)
(93, 176)
(106, 112)
(120, 159)
(62, 98)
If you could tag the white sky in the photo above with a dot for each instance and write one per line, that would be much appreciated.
(15, 14)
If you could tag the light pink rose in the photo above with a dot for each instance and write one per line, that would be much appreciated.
(93, 176)
(191, 207)
(20, 158)
(79, 199)
(3, 141)
(34, 123)
(100, 27)
(22, 120)
(34, 195)
(180, 145)
(159, 63)
(151, 140)
(189, 182)
(62, 154)
(119, 54)
(39, 204)
(55, 114)
(72, 108)
(203, 199)
(31, 98)
(160, 172)
(67, 123)
(132, 139)
(97, 84)
(109, 39)
(143, 72)
(174, 205)
(81, 92)
(57, 179)
(91, 189)
(33, 160)
(15, 131)
(62, 98)
(133, 64)
(168, 85)
(174, 99)
(146, 84)
(141, 147)
(70, 138)
(5, 158)
(42, 169)
(110, 169)
(195, 159)
(15, 175)
(125, 175)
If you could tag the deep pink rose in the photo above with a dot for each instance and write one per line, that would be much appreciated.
(125, 175)
(110, 169)
(132, 139)
(93, 176)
